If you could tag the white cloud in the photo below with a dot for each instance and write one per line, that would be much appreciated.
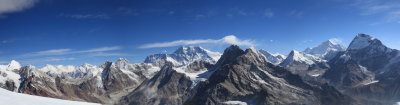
(53, 52)
(10, 6)
(69, 51)
(336, 40)
(230, 39)
(101, 49)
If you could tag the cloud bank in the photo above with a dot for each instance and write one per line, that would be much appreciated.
(230, 39)
(10, 6)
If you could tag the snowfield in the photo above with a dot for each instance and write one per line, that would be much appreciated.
(12, 98)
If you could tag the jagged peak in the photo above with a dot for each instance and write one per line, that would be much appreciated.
(190, 49)
(301, 57)
(180, 50)
(252, 49)
(230, 54)
(363, 40)
(233, 48)
(122, 60)
(13, 65)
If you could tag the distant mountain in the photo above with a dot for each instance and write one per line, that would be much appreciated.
(184, 56)
(9, 77)
(273, 58)
(327, 50)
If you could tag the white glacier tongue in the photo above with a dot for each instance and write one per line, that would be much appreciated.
(325, 49)
(361, 41)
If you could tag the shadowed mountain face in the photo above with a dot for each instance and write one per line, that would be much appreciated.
(367, 70)
(246, 76)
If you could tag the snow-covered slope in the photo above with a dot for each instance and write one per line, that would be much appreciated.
(273, 58)
(12, 98)
(296, 56)
(327, 50)
(183, 56)
(361, 41)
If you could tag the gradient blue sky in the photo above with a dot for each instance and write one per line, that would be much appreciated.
(72, 32)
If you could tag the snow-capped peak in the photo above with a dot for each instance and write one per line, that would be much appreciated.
(70, 70)
(325, 48)
(272, 58)
(296, 56)
(361, 41)
(14, 65)
(185, 55)
(122, 61)
(11, 66)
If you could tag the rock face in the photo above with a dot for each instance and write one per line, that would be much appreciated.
(246, 76)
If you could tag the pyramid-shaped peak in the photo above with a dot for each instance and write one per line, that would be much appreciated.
(362, 41)
(13, 65)
(122, 60)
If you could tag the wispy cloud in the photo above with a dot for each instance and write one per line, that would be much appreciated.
(47, 59)
(388, 10)
(86, 16)
(70, 51)
(10, 6)
(230, 39)
(109, 54)
(307, 41)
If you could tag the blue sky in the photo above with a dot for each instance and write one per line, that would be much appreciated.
(72, 32)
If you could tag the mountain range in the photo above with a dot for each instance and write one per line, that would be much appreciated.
(364, 73)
